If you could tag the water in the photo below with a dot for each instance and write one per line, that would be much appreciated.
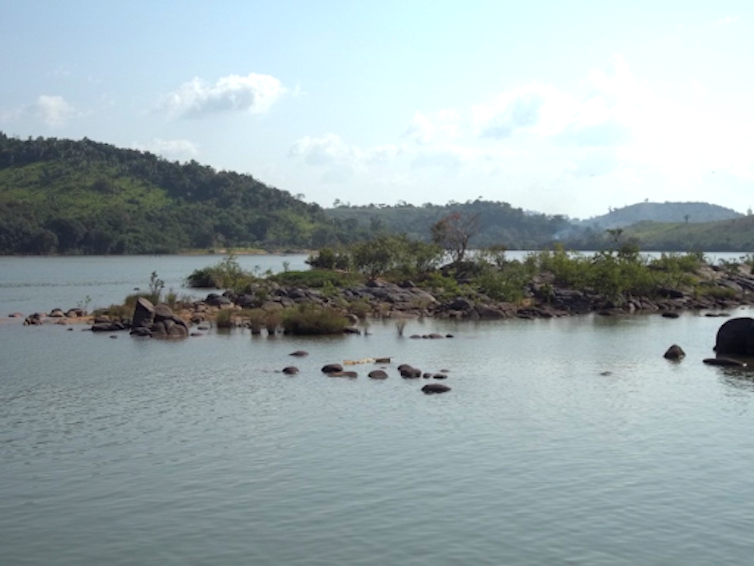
(123, 451)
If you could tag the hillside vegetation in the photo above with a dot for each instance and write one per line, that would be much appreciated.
(727, 235)
(64, 196)
(499, 222)
(663, 212)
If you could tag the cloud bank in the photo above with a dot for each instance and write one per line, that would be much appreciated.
(252, 93)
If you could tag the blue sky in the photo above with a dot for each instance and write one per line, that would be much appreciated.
(560, 107)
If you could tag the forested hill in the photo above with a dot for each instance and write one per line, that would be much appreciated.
(671, 212)
(499, 222)
(64, 196)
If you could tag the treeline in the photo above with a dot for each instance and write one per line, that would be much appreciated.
(83, 197)
(499, 222)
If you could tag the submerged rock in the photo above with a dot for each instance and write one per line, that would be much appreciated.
(431, 388)
(675, 352)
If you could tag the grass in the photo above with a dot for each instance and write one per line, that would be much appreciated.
(311, 319)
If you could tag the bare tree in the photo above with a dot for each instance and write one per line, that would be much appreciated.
(454, 233)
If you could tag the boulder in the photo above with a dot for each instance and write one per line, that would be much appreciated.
(725, 362)
(215, 300)
(736, 336)
(378, 374)
(343, 374)
(408, 372)
(431, 388)
(675, 352)
(299, 353)
(143, 316)
(332, 368)
(56, 313)
(290, 370)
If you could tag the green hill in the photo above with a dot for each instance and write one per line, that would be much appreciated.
(65, 196)
(499, 222)
(724, 235)
(691, 212)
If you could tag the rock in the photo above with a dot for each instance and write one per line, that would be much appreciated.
(56, 313)
(196, 334)
(670, 314)
(113, 336)
(408, 372)
(343, 374)
(141, 332)
(176, 329)
(414, 336)
(378, 374)
(461, 304)
(162, 312)
(352, 319)
(332, 368)
(34, 319)
(435, 336)
(215, 300)
(431, 388)
(439, 376)
(15, 315)
(725, 362)
(736, 336)
(299, 353)
(382, 360)
(351, 330)
(290, 370)
(143, 316)
(675, 352)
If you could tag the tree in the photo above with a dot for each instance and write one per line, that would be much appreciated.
(454, 232)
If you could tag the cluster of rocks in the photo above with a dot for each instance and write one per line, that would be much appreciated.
(56, 316)
(157, 321)
(406, 371)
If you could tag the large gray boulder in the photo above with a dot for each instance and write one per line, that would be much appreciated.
(143, 316)
(736, 336)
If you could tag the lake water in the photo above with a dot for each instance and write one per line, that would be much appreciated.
(131, 452)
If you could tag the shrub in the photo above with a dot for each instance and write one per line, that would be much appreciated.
(224, 318)
(256, 318)
(227, 274)
(311, 319)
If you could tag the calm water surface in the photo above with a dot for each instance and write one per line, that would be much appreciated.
(123, 451)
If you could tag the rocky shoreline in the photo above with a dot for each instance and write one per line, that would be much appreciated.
(380, 299)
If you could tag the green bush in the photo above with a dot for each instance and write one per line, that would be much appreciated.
(311, 319)
(225, 318)
(316, 278)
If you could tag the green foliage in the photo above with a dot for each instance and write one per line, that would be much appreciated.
(69, 197)
(226, 274)
(316, 278)
(717, 292)
(311, 319)
(225, 318)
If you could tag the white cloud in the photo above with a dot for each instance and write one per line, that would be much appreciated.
(341, 160)
(441, 126)
(253, 93)
(728, 20)
(54, 111)
(170, 149)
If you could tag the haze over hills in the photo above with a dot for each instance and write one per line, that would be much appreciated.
(84, 197)
(661, 212)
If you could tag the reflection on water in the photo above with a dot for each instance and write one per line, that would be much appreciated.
(563, 441)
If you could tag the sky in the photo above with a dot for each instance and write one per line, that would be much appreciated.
(557, 107)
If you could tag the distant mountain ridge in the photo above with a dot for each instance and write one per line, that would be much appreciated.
(665, 212)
